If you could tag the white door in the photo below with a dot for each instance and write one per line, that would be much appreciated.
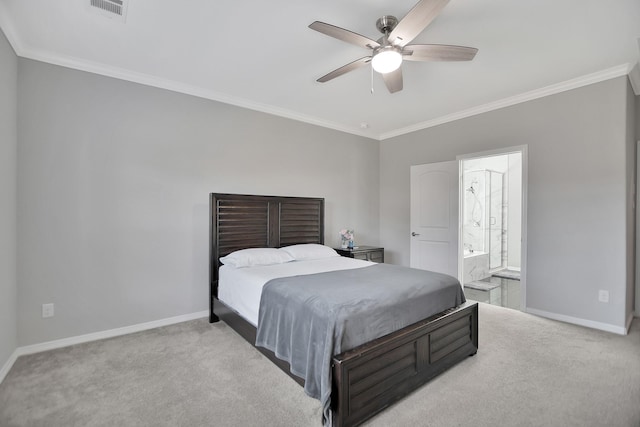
(434, 217)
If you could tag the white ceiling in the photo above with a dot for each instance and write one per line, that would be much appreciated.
(261, 54)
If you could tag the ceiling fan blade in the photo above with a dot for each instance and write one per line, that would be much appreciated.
(344, 35)
(393, 80)
(345, 69)
(415, 21)
(438, 52)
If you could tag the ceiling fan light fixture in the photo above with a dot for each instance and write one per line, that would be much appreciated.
(386, 60)
(388, 52)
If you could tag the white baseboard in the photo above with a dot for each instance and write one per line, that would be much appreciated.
(629, 320)
(7, 366)
(581, 322)
(65, 342)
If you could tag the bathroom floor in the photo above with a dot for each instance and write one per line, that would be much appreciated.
(495, 290)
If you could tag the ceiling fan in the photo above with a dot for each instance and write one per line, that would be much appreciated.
(392, 48)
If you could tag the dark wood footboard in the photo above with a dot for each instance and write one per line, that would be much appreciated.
(369, 378)
(372, 376)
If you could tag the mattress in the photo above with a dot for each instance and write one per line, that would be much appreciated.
(241, 288)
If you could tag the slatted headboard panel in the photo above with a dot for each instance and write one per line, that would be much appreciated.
(301, 221)
(241, 221)
(241, 224)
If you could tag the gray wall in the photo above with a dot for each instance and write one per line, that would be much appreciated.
(114, 179)
(577, 192)
(8, 199)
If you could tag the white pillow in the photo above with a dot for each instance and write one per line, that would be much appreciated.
(256, 256)
(309, 251)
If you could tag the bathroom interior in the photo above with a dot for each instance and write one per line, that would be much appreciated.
(491, 228)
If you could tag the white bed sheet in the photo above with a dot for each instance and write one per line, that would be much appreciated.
(241, 288)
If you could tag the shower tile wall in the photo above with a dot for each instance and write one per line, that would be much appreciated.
(502, 243)
(476, 267)
(485, 216)
(505, 223)
(495, 223)
(474, 211)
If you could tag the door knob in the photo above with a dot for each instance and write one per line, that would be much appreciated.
(414, 234)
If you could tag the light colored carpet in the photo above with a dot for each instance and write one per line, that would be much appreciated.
(528, 371)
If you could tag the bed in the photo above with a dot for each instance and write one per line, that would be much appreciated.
(365, 379)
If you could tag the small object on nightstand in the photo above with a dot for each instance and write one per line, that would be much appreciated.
(367, 253)
(346, 238)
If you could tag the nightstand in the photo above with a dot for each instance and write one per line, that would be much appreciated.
(367, 253)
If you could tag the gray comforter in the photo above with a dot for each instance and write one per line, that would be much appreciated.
(305, 320)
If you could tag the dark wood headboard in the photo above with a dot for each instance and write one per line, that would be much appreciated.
(239, 221)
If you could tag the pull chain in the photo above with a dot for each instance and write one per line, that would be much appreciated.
(372, 79)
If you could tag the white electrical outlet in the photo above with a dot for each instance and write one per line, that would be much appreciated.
(47, 310)
(603, 296)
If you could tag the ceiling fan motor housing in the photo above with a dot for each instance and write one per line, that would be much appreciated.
(386, 24)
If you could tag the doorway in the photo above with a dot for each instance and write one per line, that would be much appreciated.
(492, 220)
(434, 217)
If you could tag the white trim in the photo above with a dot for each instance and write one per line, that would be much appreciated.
(179, 87)
(524, 151)
(8, 365)
(154, 81)
(490, 153)
(636, 201)
(125, 330)
(65, 342)
(610, 73)
(9, 31)
(634, 78)
(581, 322)
(175, 86)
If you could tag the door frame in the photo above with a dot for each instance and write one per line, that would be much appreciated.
(636, 198)
(523, 149)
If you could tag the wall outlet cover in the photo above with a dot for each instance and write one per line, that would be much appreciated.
(603, 296)
(47, 310)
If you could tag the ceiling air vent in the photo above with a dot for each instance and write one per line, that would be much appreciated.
(114, 9)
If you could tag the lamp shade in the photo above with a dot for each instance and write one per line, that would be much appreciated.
(386, 60)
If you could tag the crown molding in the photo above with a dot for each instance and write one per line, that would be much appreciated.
(610, 73)
(9, 30)
(175, 86)
(150, 80)
(27, 52)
